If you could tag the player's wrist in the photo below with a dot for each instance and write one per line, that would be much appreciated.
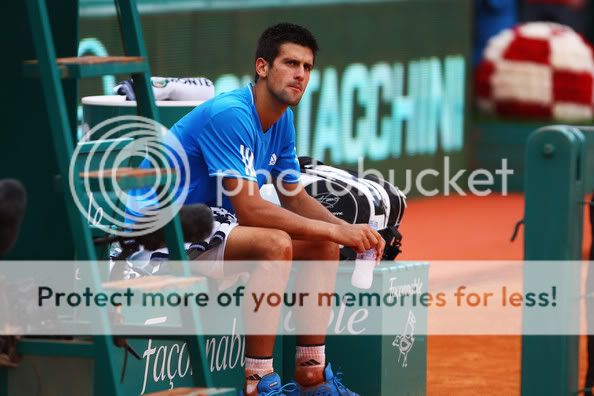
(332, 232)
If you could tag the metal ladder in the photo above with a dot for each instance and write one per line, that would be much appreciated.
(50, 70)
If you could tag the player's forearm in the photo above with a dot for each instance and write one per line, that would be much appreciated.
(268, 215)
(309, 207)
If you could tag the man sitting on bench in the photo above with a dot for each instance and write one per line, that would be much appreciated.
(232, 141)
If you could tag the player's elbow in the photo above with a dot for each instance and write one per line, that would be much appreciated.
(293, 199)
(249, 212)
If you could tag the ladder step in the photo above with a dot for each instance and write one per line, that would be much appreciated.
(57, 348)
(157, 282)
(91, 66)
(127, 178)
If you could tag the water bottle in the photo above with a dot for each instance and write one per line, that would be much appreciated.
(365, 262)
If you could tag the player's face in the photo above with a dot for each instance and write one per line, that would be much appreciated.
(289, 74)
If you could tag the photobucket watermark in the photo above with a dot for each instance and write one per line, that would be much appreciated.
(322, 179)
(105, 161)
(479, 181)
(129, 177)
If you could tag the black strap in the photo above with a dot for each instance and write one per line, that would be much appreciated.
(517, 229)
(393, 239)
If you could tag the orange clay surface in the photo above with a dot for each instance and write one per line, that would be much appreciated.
(471, 228)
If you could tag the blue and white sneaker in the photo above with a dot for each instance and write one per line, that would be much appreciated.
(331, 387)
(270, 385)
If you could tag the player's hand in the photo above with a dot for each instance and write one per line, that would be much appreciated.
(360, 237)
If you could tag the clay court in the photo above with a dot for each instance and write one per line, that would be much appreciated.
(471, 228)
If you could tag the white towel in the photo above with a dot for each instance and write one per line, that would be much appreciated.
(172, 88)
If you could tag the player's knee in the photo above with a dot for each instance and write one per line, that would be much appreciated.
(282, 244)
(277, 246)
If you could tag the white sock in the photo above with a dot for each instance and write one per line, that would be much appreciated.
(309, 364)
(311, 355)
(255, 369)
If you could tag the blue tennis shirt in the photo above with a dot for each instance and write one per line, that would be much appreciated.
(223, 137)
